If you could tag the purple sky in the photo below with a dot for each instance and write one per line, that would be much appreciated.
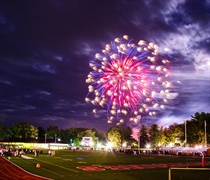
(46, 47)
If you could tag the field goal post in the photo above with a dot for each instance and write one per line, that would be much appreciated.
(195, 169)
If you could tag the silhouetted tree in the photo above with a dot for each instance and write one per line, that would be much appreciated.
(155, 136)
(52, 131)
(41, 132)
(143, 136)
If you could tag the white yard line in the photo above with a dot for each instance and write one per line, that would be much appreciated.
(59, 166)
(26, 157)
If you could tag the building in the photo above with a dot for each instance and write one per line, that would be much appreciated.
(87, 142)
(33, 144)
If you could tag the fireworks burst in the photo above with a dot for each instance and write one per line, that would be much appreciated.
(129, 78)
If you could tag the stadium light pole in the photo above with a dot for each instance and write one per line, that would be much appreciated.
(205, 133)
(55, 137)
(185, 132)
(45, 138)
(139, 143)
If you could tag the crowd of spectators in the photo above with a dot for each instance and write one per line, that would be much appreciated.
(18, 151)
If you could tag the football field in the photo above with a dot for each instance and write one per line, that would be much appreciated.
(101, 165)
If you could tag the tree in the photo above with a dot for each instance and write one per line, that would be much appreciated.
(72, 134)
(88, 133)
(4, 133)
(23, 130)
(33, 132)
(15, 131)
(155, 136)
(69, 135)
(63, 135)
(162, 136)
(143, 136)
(195, 128)
(76, 142)
(174, 134)
(192, 132)
(202, 119)
(99, 134)
(126, 134)
(114, 137)
(41, 132)
(52, 132)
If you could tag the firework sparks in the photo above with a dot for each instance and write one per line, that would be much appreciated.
(129, 78)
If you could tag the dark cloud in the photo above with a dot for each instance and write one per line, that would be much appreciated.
(199, 11)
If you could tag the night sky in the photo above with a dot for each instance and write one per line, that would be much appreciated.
(46, 47)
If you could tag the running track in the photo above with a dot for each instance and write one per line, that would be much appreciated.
(9, 171)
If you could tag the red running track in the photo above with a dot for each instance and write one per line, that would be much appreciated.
(10, 171)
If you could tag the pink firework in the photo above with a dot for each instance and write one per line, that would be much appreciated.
(129, 78)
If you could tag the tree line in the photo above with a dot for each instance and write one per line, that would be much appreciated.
(193, 131)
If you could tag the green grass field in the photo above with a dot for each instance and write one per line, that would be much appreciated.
(64, 165)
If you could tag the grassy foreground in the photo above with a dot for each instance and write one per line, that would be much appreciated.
(64, 165)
